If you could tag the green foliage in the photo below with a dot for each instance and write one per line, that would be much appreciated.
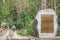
(24, 22)
(34, 7)
(58, 34)
(29, 32)
(18, 24)
(23, 18)
(5, 14)
(58, 13)
(20, 33)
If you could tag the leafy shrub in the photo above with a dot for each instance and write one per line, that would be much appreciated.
(20, 33)
(24, 22)
(29, 31)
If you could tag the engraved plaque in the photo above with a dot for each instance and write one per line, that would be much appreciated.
(47, 23)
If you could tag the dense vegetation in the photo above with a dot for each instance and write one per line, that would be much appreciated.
(23, 15)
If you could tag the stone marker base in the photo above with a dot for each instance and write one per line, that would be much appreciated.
(34, 38)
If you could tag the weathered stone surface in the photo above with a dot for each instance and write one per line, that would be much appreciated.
(35, 32)
(47, 23)
(34, 38)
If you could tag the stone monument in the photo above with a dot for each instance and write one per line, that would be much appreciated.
(47, 23)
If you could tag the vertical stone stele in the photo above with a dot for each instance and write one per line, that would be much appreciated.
(47, 23)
